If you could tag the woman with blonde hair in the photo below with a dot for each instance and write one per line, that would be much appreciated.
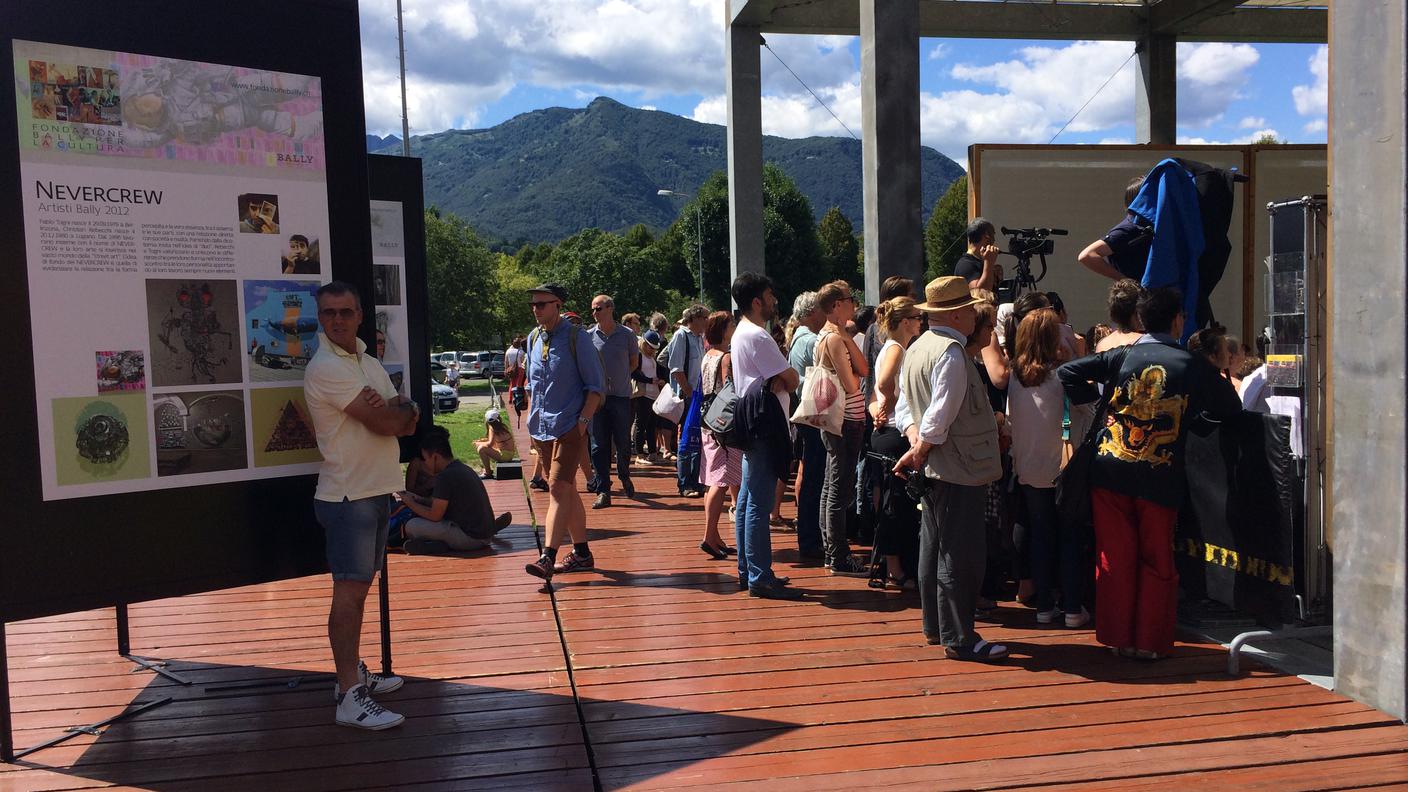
(897, 526)
(1035, 406)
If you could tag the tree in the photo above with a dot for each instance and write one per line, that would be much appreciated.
(512, 316)
(639, 237)
(593, 262)
(1267, 139)
(944, 233)
(839, 249)
(462, 277)
(792, 258)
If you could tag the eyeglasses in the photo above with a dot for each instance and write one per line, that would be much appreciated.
(536, 304)
(598, 308)
(338, 313)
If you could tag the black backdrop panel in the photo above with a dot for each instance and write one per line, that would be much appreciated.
(1236, 534)
(66, 555)
(399, 179)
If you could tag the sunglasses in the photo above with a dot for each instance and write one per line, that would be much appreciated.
(536, 304)
(338, 313)
(598, 308)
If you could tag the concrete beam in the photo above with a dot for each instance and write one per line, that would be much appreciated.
(745, 150)
(1168, 17)
(1368, 285)
(1156, 91)
(1052, 21)
(889, 67)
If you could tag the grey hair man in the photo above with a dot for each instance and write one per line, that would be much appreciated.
(800, 357)
(611, 425)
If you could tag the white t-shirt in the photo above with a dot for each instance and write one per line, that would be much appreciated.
(755, 359)
(1035, 414)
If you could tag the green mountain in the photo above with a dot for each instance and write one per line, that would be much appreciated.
(545, 175)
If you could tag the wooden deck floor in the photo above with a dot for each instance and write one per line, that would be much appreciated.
(656, 672)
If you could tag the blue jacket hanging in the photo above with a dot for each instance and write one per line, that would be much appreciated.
(1168, 201)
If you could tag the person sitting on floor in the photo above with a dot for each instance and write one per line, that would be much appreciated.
(497, 444)
(457, 515)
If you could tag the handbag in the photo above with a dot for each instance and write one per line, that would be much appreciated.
(823, 404)
(1073, 482)
(668, 405)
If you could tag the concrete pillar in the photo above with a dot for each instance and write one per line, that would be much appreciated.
(745, 150)
(1156, 91)
(894, 208)
(1368, 285)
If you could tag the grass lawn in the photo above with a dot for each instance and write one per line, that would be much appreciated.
(476, 386)
(466, 425)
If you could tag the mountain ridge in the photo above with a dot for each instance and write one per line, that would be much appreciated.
(546, 174)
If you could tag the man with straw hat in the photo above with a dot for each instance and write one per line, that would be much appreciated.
(943, 409)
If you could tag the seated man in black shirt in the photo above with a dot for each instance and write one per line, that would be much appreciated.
(457, 515)
(979, 265)
(1124, 250)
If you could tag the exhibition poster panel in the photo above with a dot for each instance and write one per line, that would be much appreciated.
(176, 230)
(389, 283)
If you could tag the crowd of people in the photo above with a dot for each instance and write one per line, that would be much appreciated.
(953, 436)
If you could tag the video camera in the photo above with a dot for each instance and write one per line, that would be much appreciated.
(1022, 244)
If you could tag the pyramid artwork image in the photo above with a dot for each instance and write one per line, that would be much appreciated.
(292, 432)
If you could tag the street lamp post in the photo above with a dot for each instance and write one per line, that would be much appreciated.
(698, 233)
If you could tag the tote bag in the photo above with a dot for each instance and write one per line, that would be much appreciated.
(823, 401)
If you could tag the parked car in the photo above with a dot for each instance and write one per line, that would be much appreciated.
(496, 365)
(444, 398)
(470, 365)
(485, 359)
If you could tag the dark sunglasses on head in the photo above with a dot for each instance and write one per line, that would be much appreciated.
(340, 313)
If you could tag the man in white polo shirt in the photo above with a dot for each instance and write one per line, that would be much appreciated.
(357, 416)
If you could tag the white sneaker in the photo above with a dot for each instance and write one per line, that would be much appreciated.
(357, 708)
(376, 683)
(1046, 616)
(1074, 620)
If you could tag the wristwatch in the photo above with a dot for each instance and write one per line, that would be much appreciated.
(583, 420)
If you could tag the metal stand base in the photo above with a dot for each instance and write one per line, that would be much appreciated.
(156, 667)
(93, 729)
(1234, 651)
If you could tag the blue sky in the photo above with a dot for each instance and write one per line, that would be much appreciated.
(476, 64)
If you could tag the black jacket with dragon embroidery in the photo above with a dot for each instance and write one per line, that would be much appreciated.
(1158, 388)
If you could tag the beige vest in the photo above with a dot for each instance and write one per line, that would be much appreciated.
(970, 455)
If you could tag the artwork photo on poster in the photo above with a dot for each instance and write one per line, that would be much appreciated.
(199, 432)
(281, 328)
(302, 256)
(193, 326)
(122, 371)
(397, 374)
(102, 438)
(387, 283)
(259, 213)
(390, 326)
(281, 427)
(74, 93)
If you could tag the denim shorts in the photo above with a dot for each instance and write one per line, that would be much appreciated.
(355, 534)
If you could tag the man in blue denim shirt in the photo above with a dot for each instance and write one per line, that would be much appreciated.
(686, 355)
(567, 382)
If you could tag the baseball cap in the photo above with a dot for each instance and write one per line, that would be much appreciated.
(653, 338)
(491, 416)
(551, 288)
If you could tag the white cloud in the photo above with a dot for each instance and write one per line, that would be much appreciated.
(1251, 122)
(1316, 126)
(939, 52)
(1194, 140)
(462, 56)
(1116, 141)
(1313, 99)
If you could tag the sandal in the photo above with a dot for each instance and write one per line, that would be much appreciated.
(980, 652)
(900, 583)
(715, 553)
